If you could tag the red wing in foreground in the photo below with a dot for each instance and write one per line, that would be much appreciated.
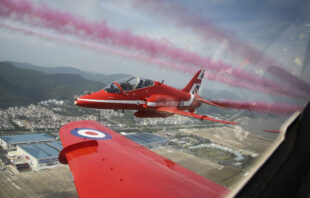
(194, 115)
(106, 164)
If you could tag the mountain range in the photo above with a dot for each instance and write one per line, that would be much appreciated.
(104, 78)
(25, 86)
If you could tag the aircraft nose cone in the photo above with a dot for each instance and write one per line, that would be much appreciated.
(90, 100)
(80, 101)
(77, 102)
(84, 101)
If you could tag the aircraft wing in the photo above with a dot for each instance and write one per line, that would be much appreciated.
(189, 114)
(106, 164)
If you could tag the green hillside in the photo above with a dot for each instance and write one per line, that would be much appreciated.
(23, 86)
(104, 78)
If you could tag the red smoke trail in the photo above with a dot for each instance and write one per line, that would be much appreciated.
(209, 31)
(106, 49)
(272, 131)
(260, 106)
(101, 48)
(181, 16)
(289, 78)
(67, 23)
(263, 82)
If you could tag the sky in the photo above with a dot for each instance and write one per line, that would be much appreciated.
(250, 35)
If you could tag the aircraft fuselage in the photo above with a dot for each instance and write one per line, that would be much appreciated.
(153, 97)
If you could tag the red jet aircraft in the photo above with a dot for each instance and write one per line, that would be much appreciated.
(151, 99)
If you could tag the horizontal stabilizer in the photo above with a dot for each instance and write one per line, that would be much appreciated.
(208, 102)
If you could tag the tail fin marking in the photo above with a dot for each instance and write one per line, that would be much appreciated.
(194, 85)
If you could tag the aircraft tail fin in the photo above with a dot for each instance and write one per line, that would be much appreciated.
(194, 85)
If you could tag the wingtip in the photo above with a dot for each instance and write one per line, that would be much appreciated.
(229, 122)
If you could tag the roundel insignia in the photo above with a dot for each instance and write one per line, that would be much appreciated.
(90, 134)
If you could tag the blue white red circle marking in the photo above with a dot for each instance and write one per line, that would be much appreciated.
(90, 134)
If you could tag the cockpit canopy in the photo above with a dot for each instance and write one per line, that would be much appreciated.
(128, 84)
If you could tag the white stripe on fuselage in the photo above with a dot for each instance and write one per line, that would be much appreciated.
(116, 101)
(171, 103)
(137, 102)
(151, 104)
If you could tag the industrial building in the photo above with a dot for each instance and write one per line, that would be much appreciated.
(148, 140)
(10, 141)
(40, 155)
(35, 150)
